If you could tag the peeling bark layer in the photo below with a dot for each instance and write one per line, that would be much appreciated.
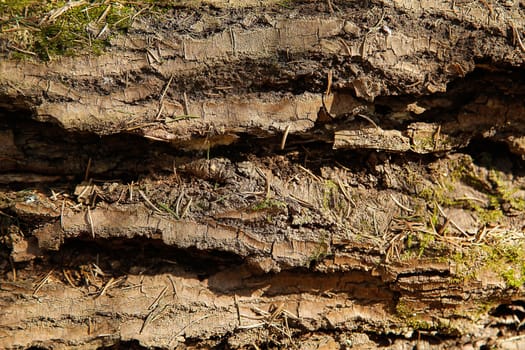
(334, 175)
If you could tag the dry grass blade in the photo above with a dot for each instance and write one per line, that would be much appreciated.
(303, 202)
(106, 287)
(267, 174)
(451, 221)
(315, 177)
(235, 301)
(368, 119)
(43, 281)
(102, 31)
(11, 46)
(329, 82)
(149, 202)
(54, 14)
(104, 14)
(156, 301)
(186, 208)
(97, 270)
(517, 37)
(345, 193)
(186, 104)
(252, 326)
(91, 223)
(188, 325)
(330, 7)
(400, 205)
(68, 278)
(173, 285)
(285, 136)
(152, 316)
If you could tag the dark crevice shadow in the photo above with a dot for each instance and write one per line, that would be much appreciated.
(496, 156)
(225, 273)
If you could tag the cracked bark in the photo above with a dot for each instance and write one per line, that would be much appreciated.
(146, 198)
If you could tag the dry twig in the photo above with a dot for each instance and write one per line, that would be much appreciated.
(43, 281)
(149, 202)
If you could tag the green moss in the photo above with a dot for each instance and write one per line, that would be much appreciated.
(31, 30)
(506, 260)
(501, 196)
(269, 203)
(425, 240)
(321, 250)
(489, 215)
(403, 310)
(441, 194)
(329, 191)
(513, 278)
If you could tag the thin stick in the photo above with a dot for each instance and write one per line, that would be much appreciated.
(186, 104)
(106, 287)
(348, 51)
(86, 188)
(178, 201)
(369, 119)
(165, 89)
(161, 108)
(153, 55)
(191, 323)
(86, 174)
(173, 285)
(13, 267)
(91, 224)
(156, 301)
(68, 278)
(266, 175)
(251, 326)
(149, 202)
(62, 214)
(43, 281)
(400, 205)
(102, 31)
(53, 15)
(518, 37)
(104, 14)
(152, 317)
(451, 221)
(347, 196)
(22, 50)
(330, 7)
(238, 310)
(139, 12)
(310, 173)
(329, 83)
(285, 135)
(303, 202)
(467, 198)
(185, 210)
(142, 284)
(131, 191)
(154, 138)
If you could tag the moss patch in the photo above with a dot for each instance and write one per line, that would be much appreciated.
(45, 29)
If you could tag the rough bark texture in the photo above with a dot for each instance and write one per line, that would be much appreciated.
(325, 175)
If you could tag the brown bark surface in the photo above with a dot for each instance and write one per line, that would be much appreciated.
(238, 174)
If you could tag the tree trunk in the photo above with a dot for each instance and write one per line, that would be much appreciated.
(253, 174)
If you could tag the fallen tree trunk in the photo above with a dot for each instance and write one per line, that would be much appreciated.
(320, 176)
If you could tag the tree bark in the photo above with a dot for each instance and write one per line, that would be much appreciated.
(323, 175)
